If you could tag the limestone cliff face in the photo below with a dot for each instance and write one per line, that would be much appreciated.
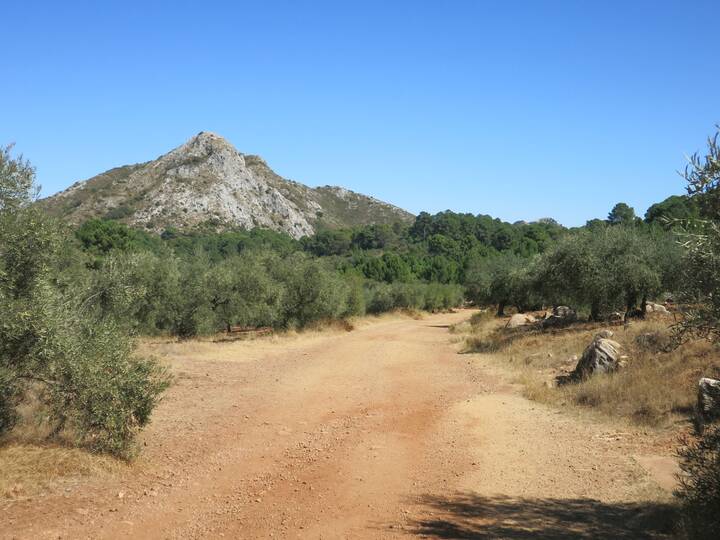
(208, 179)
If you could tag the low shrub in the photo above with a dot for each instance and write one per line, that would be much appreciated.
(103, 395)
(8, 400)
(380, 299)
(80, 371)
(355, 303)
(413, 296)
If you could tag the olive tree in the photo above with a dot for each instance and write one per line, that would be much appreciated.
(573, 272)
(502, 280)
(54, 351)
(609, 268)
(629, 257)
(244, 293)
(699, 492)
(702, 175)
(312, 291)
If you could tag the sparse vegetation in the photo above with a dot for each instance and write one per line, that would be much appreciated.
(657, 387)
(130, 193)
(30, 469)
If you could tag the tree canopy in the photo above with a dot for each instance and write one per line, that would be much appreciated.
(621, 214)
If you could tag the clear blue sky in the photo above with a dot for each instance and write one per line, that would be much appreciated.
(516, 109)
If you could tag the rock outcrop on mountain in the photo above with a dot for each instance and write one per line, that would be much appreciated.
(208, 180)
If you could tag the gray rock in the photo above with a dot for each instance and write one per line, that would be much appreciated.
(564, 311)
(601, 356)
(709, 399)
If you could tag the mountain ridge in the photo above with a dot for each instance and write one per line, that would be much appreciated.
(208, 179)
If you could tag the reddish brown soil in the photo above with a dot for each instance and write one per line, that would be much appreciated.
(383, 432)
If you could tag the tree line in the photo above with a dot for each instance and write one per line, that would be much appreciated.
(607, 265)
(603, 270)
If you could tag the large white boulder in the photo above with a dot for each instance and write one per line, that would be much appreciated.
(520, 319)
(652, 307)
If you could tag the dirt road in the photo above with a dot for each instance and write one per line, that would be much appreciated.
(383, 432)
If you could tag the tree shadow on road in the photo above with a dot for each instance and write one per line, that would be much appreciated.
(466, 515)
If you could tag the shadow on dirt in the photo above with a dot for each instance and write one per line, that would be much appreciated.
(466, 515)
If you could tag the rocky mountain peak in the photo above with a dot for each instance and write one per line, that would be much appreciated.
(208, 142)
(202, 146)
(207, 179)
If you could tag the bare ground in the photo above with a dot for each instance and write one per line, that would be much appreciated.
(383, 432)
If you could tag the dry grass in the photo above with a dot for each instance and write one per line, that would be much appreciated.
(655, 388)
(30, 465)
(31, 469)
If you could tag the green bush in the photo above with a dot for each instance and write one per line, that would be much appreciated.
(242, 292)
(355, 299)
(407, 295)
(79, 367)
(104, 394)
(428, 296)
(453, 296)
(60, 343)
(380, 299)
(8, 400)
(699, 492)
(192, 313)
(312, 292)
